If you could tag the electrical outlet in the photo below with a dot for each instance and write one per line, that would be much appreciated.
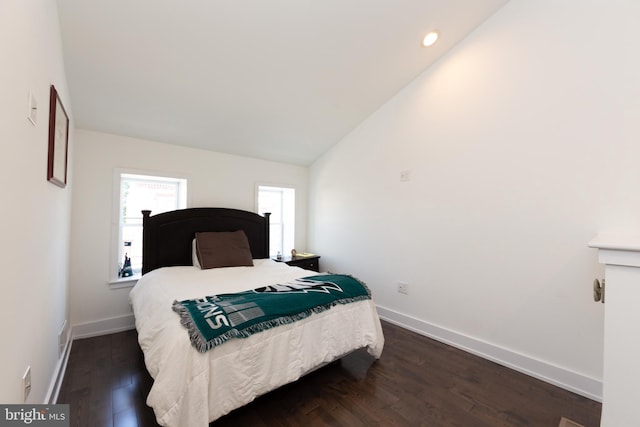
(405, 175)
(26, 384)
(403, 288)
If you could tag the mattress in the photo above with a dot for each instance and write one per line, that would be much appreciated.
(192, 388)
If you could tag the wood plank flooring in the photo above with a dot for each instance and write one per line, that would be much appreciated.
(417, 382)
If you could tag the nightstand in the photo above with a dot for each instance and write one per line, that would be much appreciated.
(308, 263)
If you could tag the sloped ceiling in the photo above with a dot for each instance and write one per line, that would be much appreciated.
(281, 80)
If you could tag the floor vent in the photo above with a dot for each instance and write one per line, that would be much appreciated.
(62, 338)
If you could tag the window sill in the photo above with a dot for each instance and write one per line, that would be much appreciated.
(124, 282)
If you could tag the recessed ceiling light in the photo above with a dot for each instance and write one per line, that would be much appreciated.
(430, 39)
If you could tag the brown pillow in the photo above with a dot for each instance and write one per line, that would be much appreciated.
(223, 249)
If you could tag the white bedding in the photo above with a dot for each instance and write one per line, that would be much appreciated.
(192, 388)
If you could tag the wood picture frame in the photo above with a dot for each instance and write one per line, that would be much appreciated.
(58, 140)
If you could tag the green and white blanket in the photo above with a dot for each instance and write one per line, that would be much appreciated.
(212, 320)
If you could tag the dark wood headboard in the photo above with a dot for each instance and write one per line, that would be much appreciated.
(167, 237)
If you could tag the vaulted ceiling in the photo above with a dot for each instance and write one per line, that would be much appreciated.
(281, 80)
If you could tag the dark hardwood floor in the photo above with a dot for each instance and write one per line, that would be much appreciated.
(417, 382)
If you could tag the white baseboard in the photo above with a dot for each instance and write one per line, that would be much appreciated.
(563, 378)
(58, 374)
(103, 327)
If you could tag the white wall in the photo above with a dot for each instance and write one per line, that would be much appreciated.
(215, 179)
(35, 214)
(522, 143)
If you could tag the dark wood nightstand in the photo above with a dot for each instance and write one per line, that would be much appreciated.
(308, 263)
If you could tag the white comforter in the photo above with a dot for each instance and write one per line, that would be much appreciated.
(192, 388)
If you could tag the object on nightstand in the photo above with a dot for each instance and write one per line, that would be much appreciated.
(305, 255)
(293, 253)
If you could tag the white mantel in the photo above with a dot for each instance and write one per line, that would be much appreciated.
(621, 371)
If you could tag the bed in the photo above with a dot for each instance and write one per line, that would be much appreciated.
(193, 388)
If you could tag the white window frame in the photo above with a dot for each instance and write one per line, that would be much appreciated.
(115, 281)
(289, 226)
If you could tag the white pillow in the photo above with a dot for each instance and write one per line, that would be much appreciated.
(194, 255)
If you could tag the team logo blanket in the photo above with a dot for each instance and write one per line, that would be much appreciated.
(213, 320)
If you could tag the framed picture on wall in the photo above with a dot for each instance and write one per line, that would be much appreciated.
(58, 141)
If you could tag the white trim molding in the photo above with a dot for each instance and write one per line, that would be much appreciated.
(103, 327)
(560, 377)
(58, 374)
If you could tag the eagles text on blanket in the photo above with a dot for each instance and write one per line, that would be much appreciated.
(205, 306)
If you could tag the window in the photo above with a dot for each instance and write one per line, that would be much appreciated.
(137, 192)
(281, 202)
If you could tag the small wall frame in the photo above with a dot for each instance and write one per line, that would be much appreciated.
(58, 141)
